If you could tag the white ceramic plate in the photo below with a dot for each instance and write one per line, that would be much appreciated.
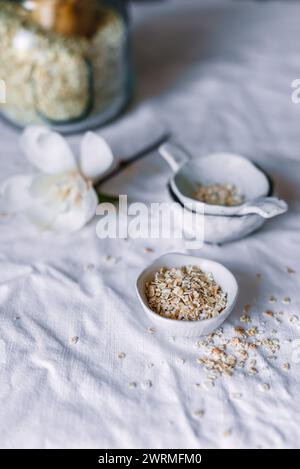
(174, 327)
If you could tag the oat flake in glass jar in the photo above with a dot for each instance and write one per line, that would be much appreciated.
(65, 63)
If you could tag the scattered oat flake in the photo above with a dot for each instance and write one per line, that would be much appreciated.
(199, 413)
(286, 300)
(286, 366)
(252, 346)
(252, 331)
(272, 299)
(264, 387)
(239, 330)
(74, 340)
(151, 330)
(121, 355)
(290, 270)
(245, 318)
(148, 249)
(147, 384)
(294, 318)
(271, 345)
(218, 352)
(111, 260)
(224, 355)
(235, 341)
(243, 354)
(132, 385)
(269, 314)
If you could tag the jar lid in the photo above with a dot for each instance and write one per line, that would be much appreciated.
(68, 17)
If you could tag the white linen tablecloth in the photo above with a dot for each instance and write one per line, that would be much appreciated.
(218, 74)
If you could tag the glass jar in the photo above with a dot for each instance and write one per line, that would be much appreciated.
(65, 63)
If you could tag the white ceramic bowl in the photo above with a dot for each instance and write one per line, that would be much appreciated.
(174, 327)
(221, 224)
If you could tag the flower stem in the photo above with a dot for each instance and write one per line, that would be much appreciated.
(123, 164)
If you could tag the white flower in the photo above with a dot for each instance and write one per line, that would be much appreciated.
(60, 197)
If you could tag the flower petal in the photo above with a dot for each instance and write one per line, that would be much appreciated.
(40, 215)
(90, 203)
(16, 192)
(47, 150)
(74, 219)
(43, 183)
(96, 156)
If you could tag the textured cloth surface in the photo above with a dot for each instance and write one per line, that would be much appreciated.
(219, 76)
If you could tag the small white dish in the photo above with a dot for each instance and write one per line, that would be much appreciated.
(220, 168)
(221, 226)
(173, 327)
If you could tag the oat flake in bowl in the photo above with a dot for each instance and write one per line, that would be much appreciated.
(227, 195)
(187, 328)
(185, 293)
